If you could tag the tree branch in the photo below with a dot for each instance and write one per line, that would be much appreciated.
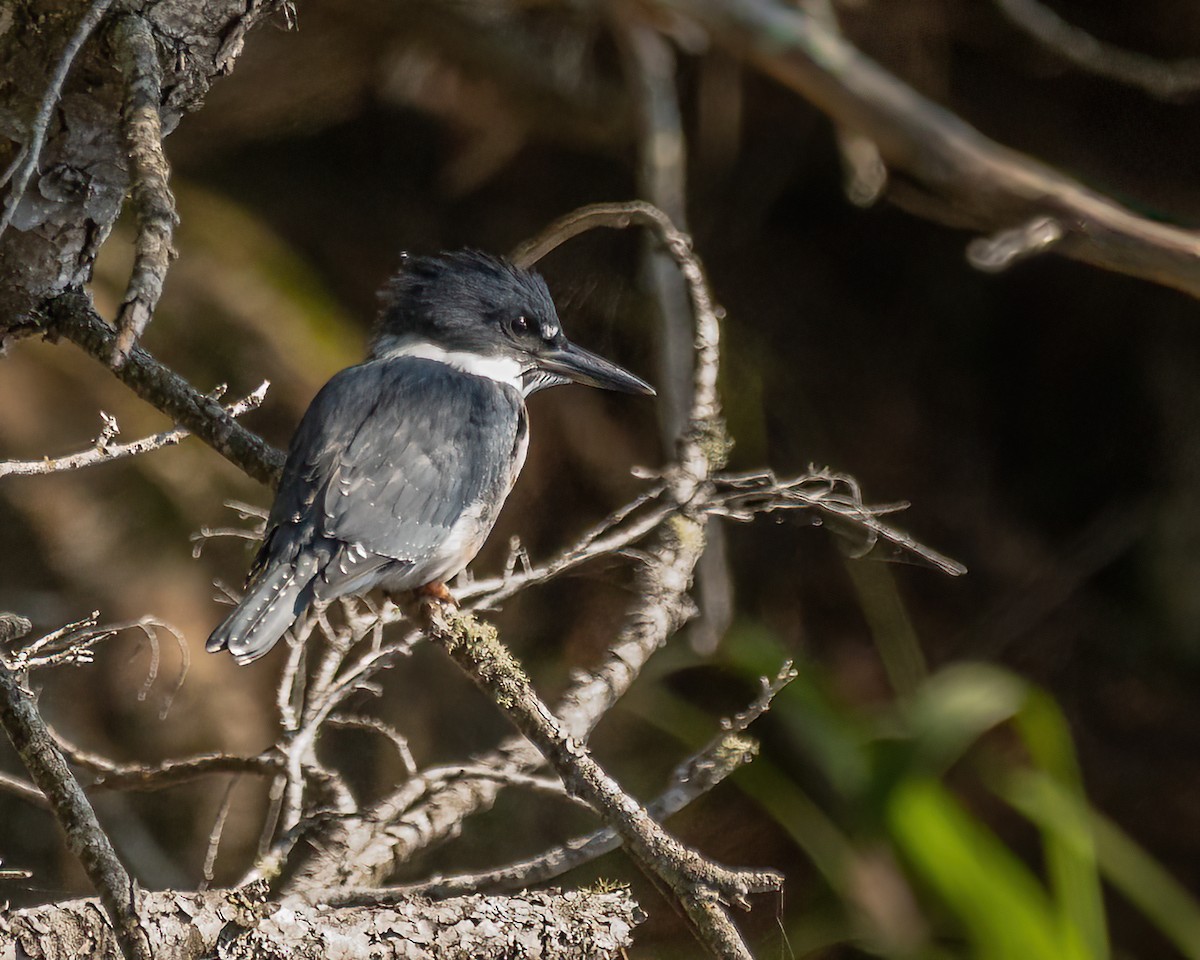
(84, 836)
(72, 316)
(105, 451)
(241, 925)
(1173, 80)
(700, 885)
(967, 180)
(26, 160)
(721, 756)
(153, 203)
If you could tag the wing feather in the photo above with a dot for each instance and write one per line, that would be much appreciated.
(387, 459)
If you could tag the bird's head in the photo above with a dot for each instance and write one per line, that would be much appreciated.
(489, 317)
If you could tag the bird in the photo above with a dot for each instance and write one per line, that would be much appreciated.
(400, 465)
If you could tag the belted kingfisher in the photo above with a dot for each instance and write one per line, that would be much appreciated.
(401, 464)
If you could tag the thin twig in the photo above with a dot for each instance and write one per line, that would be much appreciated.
(104, 451)
(214, 836)
(153, 203)
(728, 751)
(837, 495)
(169, 773)
(23, 790)
(7, 873)
(84, 836)
(864, 174)
(1167, 80)
(31, 152)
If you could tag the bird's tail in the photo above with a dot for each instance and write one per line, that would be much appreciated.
(271, 604)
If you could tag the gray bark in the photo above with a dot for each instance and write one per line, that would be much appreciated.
(232, 924)
(77, 189)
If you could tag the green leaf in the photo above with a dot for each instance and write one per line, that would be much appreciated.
(1005, 912)
(956, 706)
(1069, 843)
(1143, 881)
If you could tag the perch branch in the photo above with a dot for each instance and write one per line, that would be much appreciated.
(700, 885)
(153, 203)
(721, 756)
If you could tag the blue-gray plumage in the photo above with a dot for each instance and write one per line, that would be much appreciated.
(401, 464)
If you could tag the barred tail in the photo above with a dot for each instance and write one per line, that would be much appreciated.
(271, 605)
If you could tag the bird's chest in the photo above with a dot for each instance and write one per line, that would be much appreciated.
(471, 528)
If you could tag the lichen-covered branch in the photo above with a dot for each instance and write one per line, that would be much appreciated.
(700, 885)
(728, 751)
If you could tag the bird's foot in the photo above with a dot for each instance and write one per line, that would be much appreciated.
(436, 590)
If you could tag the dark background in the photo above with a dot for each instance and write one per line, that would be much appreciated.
(1044, 423)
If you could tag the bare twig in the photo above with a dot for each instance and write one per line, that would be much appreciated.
(837, 495)
(214, 836)
(22, 789)
(27, 158)
(8, 873)
(71, 315)
(662, 180)
(104, 451)
(153, 203)
(1168, 80)
(865, 176)
(107, 775)
(967, 180)
(386, 730)
(84, 836)
(71, 643)
(999, 252)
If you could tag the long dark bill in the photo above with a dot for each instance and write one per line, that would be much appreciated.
(583, 366)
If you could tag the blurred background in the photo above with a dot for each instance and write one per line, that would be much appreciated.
(1002, 764)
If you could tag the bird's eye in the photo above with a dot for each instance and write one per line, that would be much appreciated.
(520, 326)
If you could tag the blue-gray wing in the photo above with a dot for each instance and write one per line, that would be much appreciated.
(388, 458)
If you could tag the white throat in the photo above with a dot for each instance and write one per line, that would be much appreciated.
(505, 370)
